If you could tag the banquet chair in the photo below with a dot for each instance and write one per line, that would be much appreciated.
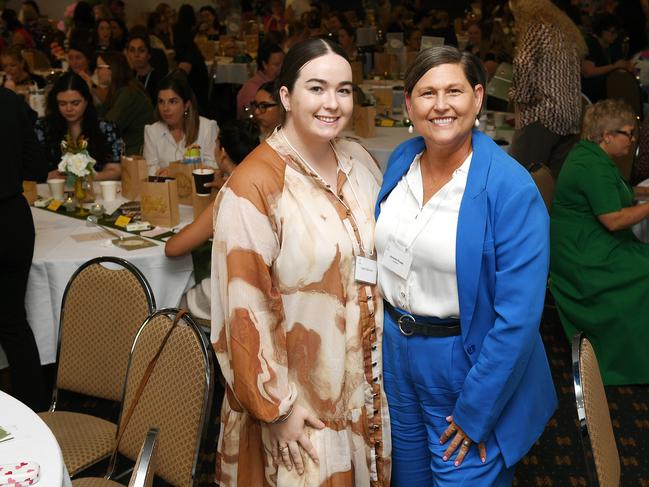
(101, 311)
(544, 180)
(623, 85)
(142, 475)
(169, 385)
(595, 428)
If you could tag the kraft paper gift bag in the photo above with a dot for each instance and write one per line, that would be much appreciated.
(159, 201)
(30, 191)
(182, 173)
(134, 171)
(357, 72)
(364, 121)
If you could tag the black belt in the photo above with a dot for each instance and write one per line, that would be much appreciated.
(423, 325)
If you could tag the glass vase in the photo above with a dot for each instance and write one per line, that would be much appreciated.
(80, 195)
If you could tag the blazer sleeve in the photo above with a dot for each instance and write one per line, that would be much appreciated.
(521, 247)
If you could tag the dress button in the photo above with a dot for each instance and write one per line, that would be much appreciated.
(470, 349)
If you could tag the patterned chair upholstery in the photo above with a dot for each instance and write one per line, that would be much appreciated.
(102, 310)
(176, 399)
(142, 475)
(596, 430)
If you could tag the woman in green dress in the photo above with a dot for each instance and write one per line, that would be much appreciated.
(599, 271)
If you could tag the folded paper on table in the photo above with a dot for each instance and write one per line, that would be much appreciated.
(20, 474)
(159, 201)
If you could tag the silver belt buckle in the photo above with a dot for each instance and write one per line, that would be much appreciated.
(400, 322)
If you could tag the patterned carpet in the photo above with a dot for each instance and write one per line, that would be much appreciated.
(556, 459)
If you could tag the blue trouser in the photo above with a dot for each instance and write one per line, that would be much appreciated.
(423, 378)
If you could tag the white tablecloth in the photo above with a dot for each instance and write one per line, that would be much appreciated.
(33, 441)
(57, 256)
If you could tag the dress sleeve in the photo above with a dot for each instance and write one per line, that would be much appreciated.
(247, 313)
(600, 186)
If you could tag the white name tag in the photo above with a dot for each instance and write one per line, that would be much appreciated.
(365, 270)
(397, 259)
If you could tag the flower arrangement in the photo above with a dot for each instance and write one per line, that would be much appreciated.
(76, 162)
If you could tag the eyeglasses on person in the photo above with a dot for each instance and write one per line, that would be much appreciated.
(262, 106)
(630, 135)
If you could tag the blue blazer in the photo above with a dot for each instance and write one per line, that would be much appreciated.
(502, 256)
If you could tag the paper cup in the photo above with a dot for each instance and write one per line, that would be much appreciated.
(56, 188)
(202, 176)
(108, 190)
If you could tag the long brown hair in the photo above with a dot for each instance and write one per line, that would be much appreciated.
(176, 81)
(120, 75)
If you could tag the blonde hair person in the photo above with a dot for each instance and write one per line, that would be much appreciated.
(546, 83)
(529, 12)
(599, 268)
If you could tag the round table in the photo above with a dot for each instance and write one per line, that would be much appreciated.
(33, 442)
(59, 251)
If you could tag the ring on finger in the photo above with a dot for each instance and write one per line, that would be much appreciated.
(466, 443)
(283, 448)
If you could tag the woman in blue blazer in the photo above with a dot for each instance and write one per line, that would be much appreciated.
(462, 244)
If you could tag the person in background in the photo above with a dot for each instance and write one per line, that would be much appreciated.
(81, 57)
(347, 39)
(598, 268)
(103, 40)
(546, 87)
(604, 55)
(70, 111)
(119, 33)
(179, 126)
(296, 32)
(22, 159)
(157, 27)
(275, 21)
(127, 104)
(209, 25)
(18, 35)
(192, 62)
(297, 331)
(237, 138)
(187, 18)
(17, 72)
(413, 40)
(265, 109)
(140, 55)
(269, 62)
(462, 251)
(101, 11)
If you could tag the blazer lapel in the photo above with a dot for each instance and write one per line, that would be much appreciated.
(471, 226)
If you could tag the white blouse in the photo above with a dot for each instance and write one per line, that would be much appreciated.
(427, 234)
(160, 148)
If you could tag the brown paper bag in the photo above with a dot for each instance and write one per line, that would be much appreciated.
(364, 121)
(159, 200)
(383, 96)
(357, 72)
(30, 191)
(134, 171)
(182, 173)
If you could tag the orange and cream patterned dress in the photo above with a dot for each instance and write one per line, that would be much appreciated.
(291, 325)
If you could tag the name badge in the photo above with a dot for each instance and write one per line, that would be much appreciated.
(397, 259)
(365, 270)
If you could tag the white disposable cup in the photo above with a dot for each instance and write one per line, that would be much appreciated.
(108, 190)
(56, 188)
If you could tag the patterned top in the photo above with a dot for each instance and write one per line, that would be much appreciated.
(291, 325)
(547, 80)
(53, 151)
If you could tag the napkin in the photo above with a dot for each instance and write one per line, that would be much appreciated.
(20, 474)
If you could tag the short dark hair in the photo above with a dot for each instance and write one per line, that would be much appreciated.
(238, 138)
(300, 54)
(264, 52)
(139, 32)
(604, 22)
(473, 69)
(269, 87)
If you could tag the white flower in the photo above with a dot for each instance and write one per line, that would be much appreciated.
(80, 164)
